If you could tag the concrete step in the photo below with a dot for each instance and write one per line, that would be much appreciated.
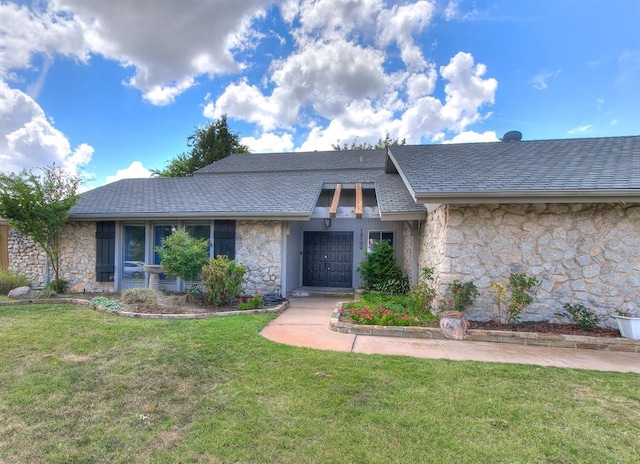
(319, 292)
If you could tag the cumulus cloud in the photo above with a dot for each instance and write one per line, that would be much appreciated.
(26, 32)
(337, 81)
(269, 143)
(167, 44)
(135, 171)
(29, 140)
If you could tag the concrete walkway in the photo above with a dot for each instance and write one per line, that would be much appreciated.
(306, 323)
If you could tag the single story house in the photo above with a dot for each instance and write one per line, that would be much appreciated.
(564, 211)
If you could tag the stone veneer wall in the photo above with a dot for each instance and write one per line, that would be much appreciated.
(580, 253)
(432, 244)
(258, 248)
(26, 258)
(77, 260)
(78, 257)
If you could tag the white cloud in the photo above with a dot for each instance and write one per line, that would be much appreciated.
(336, 81)
(540, 80)
(269, 143)
(466, 91)
(167, 43)
(29, 140)
(473, 137)
(580, 129)
(26, 32)
(135, 171)
(400, 23)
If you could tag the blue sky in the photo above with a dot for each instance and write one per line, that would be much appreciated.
(113, 89)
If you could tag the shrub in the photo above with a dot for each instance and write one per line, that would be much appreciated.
(584, 316)
(459, 295)
(102, 303)
(10, 280)
(517, 296)
(61, 287)
(182, 255)
(250, 302)
(222, 281)
(139, 296)
(422, 293)
(380, 271)
(521, 285)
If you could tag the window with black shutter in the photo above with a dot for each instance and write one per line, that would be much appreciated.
(105, 250)
(224, 239)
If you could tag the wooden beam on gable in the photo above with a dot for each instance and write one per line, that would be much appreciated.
(336, 200)
(358, 200)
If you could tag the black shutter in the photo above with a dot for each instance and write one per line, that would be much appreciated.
(224, 239)
(105, 250)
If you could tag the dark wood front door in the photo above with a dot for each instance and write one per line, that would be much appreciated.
(328, 259)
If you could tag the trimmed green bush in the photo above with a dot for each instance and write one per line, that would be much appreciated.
(222, 281)
(380, 271)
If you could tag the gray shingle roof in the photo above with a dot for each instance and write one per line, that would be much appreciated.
(573, 167)
(300, 161)
(252, 195)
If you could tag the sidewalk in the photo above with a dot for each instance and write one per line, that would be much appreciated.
(306, 323)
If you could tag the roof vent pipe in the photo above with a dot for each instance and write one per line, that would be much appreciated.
(512, 136)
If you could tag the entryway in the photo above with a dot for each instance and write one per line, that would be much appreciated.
(328, 259)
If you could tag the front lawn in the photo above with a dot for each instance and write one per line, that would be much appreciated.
(82, 386)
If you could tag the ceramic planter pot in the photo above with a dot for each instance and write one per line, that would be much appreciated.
(629, 326)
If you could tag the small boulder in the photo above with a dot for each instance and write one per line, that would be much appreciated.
(19, 292)
(78, 288)
(453, 325)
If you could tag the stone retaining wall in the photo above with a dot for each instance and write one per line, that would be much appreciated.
(579, 342)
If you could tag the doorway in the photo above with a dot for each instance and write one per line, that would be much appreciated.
(328, 259)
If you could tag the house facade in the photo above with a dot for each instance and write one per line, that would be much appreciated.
(564, 211)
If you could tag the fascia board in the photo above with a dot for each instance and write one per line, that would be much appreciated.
(546, 196)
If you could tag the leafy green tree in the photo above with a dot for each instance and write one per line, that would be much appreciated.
(384, 143)
(38, 206)
(208, 144)
(182, 255)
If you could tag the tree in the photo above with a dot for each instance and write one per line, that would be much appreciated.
(183, 256)
(38, 206)
(208, 144)
(384, 143)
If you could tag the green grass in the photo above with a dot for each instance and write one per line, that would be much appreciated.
(78, 386)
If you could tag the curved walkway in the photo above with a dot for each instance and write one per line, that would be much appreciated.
(305, 323)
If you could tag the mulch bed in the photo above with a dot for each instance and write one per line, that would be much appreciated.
(546, 327)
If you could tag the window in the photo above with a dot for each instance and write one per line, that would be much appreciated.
(134, 244)
(376, 236)
(200, 231)
(161, 231)
(224, 239)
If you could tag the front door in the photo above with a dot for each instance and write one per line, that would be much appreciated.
(327, 259)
